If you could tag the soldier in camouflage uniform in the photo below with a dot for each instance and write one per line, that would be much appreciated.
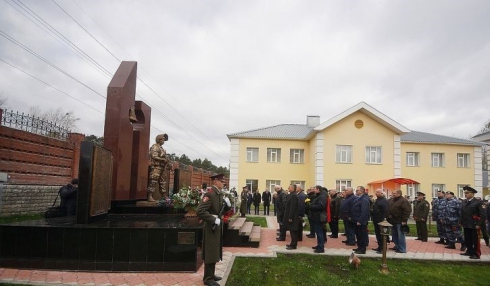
(158, 164)
(452, 222)
(441, 231)
(420, 213)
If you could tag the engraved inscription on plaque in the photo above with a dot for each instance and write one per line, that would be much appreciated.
(100, 198)
(185, 178)
(186, 238)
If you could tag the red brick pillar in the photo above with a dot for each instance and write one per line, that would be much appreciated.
(75, 139)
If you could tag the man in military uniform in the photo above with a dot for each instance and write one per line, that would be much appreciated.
(208, 211)
(158, 164)
(451, 221)
(472, 220)
(243, 201)
(420, 214)
(439, 204)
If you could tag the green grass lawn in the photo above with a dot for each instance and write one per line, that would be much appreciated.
(17, 218)
(311, 270)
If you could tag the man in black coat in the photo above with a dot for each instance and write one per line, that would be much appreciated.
(280, 204)
(473, 213)
(380, 212)
(266, 200)
(291, 217)
(335, 201)
(68, 195)
(317, 207)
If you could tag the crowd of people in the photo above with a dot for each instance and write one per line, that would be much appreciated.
(458, 220)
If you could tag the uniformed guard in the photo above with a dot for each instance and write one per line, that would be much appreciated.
(420, 214)
(451, 221)
(472, 220)
(438, 208)
(213, 202)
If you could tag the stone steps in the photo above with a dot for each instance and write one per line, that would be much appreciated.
(240, 233)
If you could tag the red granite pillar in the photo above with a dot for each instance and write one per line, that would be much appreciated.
(76, 140)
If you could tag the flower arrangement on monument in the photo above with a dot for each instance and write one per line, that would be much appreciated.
(187, 198)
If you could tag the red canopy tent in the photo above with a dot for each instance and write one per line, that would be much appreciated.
(390, 184)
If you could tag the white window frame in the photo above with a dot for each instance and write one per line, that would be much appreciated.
(463, 160)
(460, 191)
(436, 188)
(252, 154)
(274, 155)
(341, 184)
(374, 155)
(252, 184)
(297, 156)
(437, 160)
(412, 190)
(272, 183)
(413, 159)
(343, 154)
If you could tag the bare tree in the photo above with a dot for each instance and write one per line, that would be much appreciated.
(60, 117)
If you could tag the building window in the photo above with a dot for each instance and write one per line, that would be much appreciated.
(252, 184)
(273, 155)
(413, 159)
(270, 184)
(463, 160)
(460, 193)
(340, 185)
(436, 188)
(412, 190)
(437, 159)
(297, 156)
(373, 155)
(343, 154)
(252, 154)
(301, 183)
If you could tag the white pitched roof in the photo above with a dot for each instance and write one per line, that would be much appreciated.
(369, 111)
(283, 131)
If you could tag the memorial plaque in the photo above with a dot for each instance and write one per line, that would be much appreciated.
(186, 238)
(100, 201)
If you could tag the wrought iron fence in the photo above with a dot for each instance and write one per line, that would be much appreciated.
(33, 124)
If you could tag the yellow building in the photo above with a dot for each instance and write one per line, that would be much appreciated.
(359, 147)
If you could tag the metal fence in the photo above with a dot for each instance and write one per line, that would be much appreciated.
(33, 124)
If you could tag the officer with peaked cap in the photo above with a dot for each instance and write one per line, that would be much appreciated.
(209, 210)
(472, 220)
(420, 214)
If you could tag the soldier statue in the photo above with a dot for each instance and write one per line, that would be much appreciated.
(158, 164)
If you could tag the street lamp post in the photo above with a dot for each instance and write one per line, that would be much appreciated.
(385, 231)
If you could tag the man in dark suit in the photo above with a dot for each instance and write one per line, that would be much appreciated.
(208, 211)
(266, 199)
(291, 217)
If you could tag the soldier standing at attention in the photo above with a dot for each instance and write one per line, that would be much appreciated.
(243, 201)
(441, 231)
(158, 164)
(472, 220)
(420, 214)
(208, 210)
(451, 220)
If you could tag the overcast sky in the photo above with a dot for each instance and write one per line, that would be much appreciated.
(211, 68)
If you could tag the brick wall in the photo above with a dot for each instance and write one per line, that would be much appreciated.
(26, 199)
(39, 160)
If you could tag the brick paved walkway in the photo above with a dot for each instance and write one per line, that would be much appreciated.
(268, 248)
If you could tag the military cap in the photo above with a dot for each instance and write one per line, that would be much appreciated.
(162, 136)
(441, 191)
(219, 177)
(420, 194)
(451, 193)
(469, 189)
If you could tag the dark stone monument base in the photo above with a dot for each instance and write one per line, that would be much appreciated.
(119, 243)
